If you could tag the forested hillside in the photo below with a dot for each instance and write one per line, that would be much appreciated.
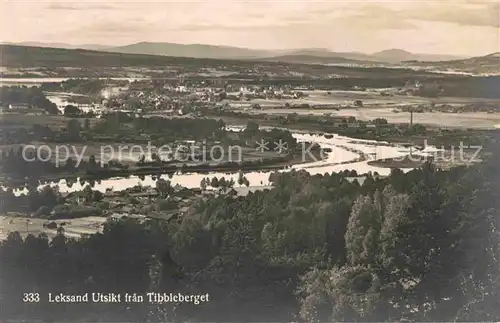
(422, 247)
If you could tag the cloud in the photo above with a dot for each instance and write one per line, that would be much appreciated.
(242, 26)
(112, 28)
(465, 13)
(364, 21)
(321, 15)
(473, 14)
(60, 6)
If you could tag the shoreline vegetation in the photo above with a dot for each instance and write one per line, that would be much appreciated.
(126, 129)
(378, 129)
(268, 164)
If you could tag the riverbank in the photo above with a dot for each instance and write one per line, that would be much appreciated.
(345, 153)
(394, 133)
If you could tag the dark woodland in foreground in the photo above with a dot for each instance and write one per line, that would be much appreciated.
(417, 247)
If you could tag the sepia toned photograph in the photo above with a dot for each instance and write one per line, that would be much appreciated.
(249, 161)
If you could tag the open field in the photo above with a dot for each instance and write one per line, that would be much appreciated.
(337, 103)
(478, 120)
(472, 120)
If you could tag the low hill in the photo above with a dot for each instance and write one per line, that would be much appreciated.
(383, 58)
(59, 45)
(489, 64)
(398, 55)
(311, 59)
(191, 50)
(339, 56)
(26, 56)
(94, 61)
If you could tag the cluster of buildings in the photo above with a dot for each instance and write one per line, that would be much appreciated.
(181, 99)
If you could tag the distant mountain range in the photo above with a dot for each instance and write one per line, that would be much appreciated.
(193, 51)
(307, 55)
(398, 55)
(390, 56)
(154, 53)
(313, 59)
(323, 56)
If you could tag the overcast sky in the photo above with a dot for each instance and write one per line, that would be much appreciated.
(437, 27)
